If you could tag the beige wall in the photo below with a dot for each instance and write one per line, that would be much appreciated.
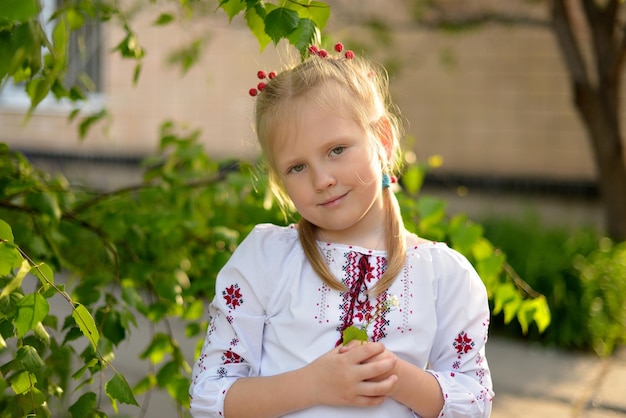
(493, 101)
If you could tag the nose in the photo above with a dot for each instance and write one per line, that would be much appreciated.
(323, 179)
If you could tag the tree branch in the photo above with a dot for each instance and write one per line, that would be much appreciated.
(566, 39)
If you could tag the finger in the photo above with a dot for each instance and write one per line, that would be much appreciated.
(351, 344)
(376, 370)
(361, 352)
(380, 388)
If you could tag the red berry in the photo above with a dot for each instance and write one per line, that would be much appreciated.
(349, 54)
(252, 92)
(261, 75)
(323, 53)
(339, 47)
(261, 86)
(272, 75)
(313, 50)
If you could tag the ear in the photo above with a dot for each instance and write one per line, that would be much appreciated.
(384, 131)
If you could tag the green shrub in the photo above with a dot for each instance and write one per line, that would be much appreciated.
(603, 275)
(581, 274)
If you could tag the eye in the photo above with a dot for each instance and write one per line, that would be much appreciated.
(296, 168)
(337, 150)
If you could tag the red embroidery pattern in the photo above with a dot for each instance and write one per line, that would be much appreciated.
(232, 295)
(230, 357)
(463, 343)
(356, 306)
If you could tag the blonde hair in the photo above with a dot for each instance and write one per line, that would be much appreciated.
(362, 92)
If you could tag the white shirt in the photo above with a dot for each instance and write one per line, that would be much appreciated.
(271, 314)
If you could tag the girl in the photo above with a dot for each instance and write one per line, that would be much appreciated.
(275, 344)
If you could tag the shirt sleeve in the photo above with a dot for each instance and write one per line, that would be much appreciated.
(457, 358)
(233, 344)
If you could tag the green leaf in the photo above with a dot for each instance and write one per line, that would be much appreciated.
(504, 294)
(118, 389)
(280, 22)
(22, 382)
(542, 315)
(86, 324)
(112, 327)
(20, 10)
(6, 233)
(41, 333)
(305, 34)
(147, 383)
(256, 24)
(84, 405)
(137, 73)
(16, 282)
(413, 178)
(45, 275)
(232, 7)
(464, 234)
(87, 122)
(319, 13)
(37, 89)
(45, 203)
(60, 37)
(29, 357)
(164, 19)
(10, 259)
(31, 310)
(160, 346)
(167, 373)
(75, 19)
(354, 333)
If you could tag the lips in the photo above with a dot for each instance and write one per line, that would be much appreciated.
(334, 201)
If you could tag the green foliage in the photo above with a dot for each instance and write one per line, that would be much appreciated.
(580, 273)
(299, 22)
(508, 293)
(602, 275)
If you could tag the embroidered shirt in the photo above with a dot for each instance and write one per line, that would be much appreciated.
(271, 314)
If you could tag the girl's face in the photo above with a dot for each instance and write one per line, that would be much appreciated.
(332, 174)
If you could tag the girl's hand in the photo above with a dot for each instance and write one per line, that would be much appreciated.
(385, 354)
(358, 374)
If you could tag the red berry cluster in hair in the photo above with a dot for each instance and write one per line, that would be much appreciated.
(261, 75)
(314, 50)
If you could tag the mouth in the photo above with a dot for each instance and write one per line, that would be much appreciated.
(334, 201)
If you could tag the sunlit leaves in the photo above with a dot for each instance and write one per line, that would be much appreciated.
(28, 356)
(281, 22)
(18, 10)
(300, 23)
(354, 333)
(6, 234)
(87, 325)
(427, 215)
(164, 19)
(84, 405)
(118, 390)
(31, 310)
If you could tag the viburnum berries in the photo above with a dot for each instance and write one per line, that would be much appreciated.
(313, 50)
(261, 75)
